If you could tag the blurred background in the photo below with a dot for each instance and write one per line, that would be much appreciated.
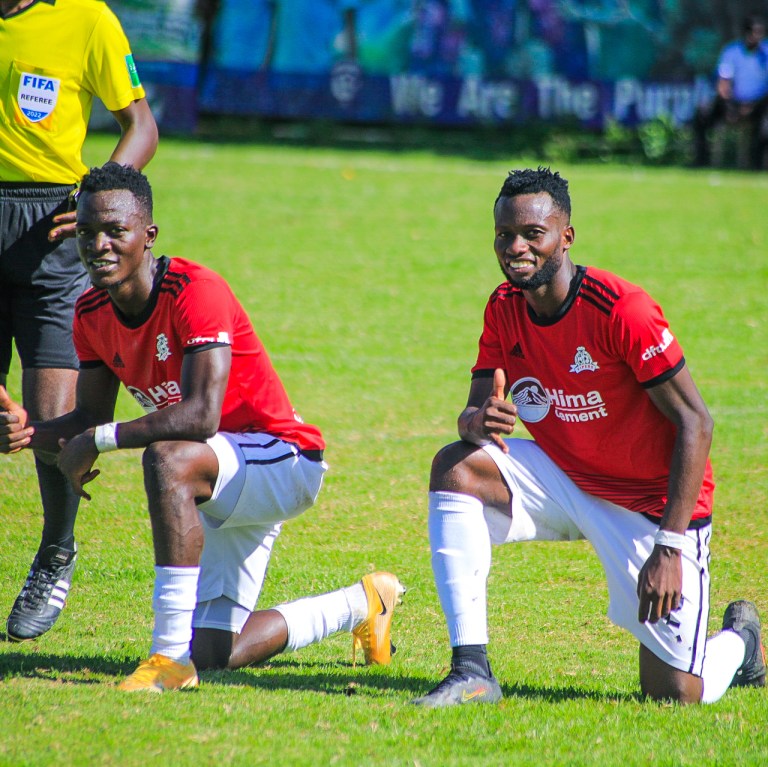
(621, 75)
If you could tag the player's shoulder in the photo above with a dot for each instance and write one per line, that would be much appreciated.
(192, 269)
(91, 301)
(84, 10)
(612, 294)
(181, 273)
(609, 285)
(505, 292)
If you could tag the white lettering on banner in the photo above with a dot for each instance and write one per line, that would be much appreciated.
(487, 100)
(560, 98)
(416, 95)
(649, 101)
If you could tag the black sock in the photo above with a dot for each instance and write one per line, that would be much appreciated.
(59, 507)
(472, 658)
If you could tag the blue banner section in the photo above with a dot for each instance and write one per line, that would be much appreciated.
(350, 95)
(166, 43)
(449, 62)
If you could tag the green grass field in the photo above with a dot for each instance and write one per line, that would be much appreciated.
(366, 272)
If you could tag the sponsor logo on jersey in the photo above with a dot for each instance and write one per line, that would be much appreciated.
(666, 340)
(156, 397)
(530, 399)
(145, 403)
(583, 361)
(163, 350)
(117, 361)
(574, 408)
(221, 338)
(133, 73)
(517, 351)
(534, 401)
(37, 96)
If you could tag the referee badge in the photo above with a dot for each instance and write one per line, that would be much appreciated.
(37, 96)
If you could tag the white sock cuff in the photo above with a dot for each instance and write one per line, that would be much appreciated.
(446, 501)
(175, 588)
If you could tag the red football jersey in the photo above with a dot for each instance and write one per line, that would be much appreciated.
(191, 308)
(579, 381)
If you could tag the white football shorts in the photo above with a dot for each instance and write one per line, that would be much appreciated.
(547, 505)
(262, 482)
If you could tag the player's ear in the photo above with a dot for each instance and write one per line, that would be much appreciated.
(150, 235)
(569, 235)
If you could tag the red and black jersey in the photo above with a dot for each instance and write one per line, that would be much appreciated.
(579, 381)
(191, 309)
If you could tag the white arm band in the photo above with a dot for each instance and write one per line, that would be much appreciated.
(669, 539)
(105, 437)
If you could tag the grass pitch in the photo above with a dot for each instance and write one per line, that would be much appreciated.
(366, 272)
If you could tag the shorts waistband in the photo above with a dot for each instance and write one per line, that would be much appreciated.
(34, 190)
(313, 455)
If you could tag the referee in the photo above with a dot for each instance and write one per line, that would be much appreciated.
(55, 56)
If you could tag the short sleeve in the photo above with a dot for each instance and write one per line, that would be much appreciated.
(643, 337)
(110, 72)
(726, 66)
(204, 316)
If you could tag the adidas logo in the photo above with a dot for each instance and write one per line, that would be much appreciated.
(517, 351)
(117, 361)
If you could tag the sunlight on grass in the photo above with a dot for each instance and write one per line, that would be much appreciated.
(366, 273)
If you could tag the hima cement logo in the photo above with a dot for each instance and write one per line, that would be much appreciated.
(530, 398)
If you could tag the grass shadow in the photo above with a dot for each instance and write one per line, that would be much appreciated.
(281, 674)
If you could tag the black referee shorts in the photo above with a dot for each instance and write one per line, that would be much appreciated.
(39, 280)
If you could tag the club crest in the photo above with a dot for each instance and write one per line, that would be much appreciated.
(583, 361)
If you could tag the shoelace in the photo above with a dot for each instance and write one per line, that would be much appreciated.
(39, 586)
(453, 675)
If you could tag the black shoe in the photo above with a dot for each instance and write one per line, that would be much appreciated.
(742, 617)
(462, 686)
(44, 594)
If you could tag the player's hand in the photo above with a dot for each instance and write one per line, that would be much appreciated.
(496, 418)
(76, 459)
(15, 431)
(66, 224)
(660, 584)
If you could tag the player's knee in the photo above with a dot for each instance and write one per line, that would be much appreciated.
(453, 468)
(683, 692)
(661, 682)
(165, 466)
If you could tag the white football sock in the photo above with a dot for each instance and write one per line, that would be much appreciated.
(174, 602)
(461, 560)
(312, 619)
(725, 653)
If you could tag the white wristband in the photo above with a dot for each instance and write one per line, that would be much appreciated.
(669, 539)
(105, 437)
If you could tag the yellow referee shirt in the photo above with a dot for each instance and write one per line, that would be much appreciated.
(55, 56)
